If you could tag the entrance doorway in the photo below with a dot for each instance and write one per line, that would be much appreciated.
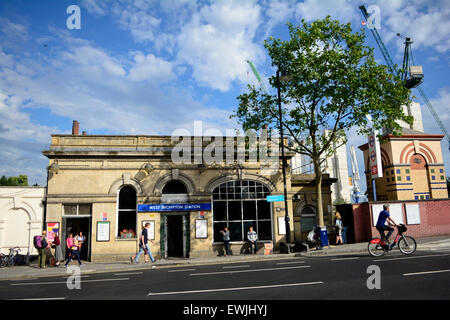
(74, 226)
(175, 236)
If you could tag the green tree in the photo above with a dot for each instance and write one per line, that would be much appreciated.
(21, 180)
(334, 84)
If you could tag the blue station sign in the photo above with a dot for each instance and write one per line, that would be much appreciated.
(174, 207)
(275, 198)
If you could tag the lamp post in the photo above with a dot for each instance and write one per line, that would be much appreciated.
(283, 160)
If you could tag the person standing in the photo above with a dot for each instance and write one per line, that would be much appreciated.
(226, 240)
(252, 237)
(81, 244)
(338, 226)
(72, 244)
(143, 245)
(42, 245)
(58, 251)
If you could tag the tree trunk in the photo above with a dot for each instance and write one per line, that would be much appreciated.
(319, 194)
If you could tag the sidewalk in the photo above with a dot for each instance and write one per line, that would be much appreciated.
(32, 272)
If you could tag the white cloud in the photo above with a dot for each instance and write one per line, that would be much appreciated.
(148, 67)
(218, 40)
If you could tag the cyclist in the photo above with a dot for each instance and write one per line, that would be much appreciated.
(381, 223)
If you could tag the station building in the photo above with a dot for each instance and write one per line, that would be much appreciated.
(109, 186)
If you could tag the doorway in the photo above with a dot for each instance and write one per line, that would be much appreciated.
(74, 226)
(175, 236)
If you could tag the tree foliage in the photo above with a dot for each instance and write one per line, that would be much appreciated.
(334, 84)
(21, 180)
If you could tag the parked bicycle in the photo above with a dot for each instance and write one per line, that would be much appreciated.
(406, 244)
(13, 258)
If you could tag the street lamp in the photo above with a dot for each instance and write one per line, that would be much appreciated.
(283, 77)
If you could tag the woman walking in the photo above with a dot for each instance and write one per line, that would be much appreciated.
(338, 226)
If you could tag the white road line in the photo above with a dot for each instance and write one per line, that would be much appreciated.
(425, 272)
(415, 257)
(241, 266)
(127, 273)
(236, 289)
(292, 262)
(85, 276)
(240, 271)
(339, 259)
(31, 299)
(61, 282)
(181, 270)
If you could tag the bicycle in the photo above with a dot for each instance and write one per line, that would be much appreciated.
(13, 258)
(406, 244)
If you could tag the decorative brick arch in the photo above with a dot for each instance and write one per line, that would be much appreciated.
(125, 180)
(188, 183)
(407, 148)
(225, 178)
(429, 151)
(425, 151)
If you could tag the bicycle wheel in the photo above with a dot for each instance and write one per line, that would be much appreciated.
(374, 247)
(407, 245)
(3, 261)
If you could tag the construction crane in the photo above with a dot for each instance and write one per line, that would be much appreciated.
(412, 75)
(355, 175)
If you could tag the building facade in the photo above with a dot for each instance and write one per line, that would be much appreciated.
(21, 217)
(108, 187)
(413, 168)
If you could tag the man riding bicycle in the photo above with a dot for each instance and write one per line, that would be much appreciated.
(381, 223)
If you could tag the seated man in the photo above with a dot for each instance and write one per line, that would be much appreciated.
(252, 237)
(381, 223)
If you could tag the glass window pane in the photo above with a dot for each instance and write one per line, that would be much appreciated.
(220, 210)
(234, 210)
(127, 221)
(263, 209)
(247, 225)
(265, 230)
(249, 208)
(235, 231)
(217, 227)
(70, 209)
(84, 209)
(127, 198)
(308, 223)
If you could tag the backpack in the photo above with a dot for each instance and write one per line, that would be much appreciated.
(37, 242)
(44, 243)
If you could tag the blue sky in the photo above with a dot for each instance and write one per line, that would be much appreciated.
(150, 67)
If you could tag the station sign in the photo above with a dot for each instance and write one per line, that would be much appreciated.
(375, 166)
(174, 207)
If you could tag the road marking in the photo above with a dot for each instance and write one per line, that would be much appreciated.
(181, 270)
(425, 272)
(85, 276)
(31, 299)
(60, 282)
(292, 262)
(339, 259)
(241, 266)
(240, 271)
(415, 257)
(236, 289)
(127, 273)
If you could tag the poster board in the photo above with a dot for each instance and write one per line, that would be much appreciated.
(281, 225)
(201, 229)
(151, 230)
(395, 211)
(52, 228)
(412, 213)
(103, 228)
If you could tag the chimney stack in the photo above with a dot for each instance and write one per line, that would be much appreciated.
(75, 128)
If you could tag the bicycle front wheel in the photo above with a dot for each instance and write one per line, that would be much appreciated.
(407, 245)
(375, 248)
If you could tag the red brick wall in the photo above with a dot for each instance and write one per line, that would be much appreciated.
(434, 219)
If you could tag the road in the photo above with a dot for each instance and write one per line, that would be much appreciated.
(424, 275)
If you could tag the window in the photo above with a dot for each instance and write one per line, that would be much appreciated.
(308, 219)
(442, 178)
(407, 171)
(432, 170)
(427, 197)
(408, 178)
(433, 177)
(387, 179)
(398, 171)
(441, 170)
(77, 209)
(127, 213)
(399, 178)
(416, 197)
(239, 205)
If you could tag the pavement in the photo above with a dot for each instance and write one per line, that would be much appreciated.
(441, 243)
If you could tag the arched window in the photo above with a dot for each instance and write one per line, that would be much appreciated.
(308, 218)
(239, 205)
(127, 213)
(174, 192)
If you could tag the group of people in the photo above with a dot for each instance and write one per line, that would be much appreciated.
(44, 246)
(252, 238)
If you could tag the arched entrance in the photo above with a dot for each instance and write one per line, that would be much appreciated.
(419, 177)
(175, 238)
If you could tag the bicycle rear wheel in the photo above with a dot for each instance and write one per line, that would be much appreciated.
(407, 245)
(375, 248)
